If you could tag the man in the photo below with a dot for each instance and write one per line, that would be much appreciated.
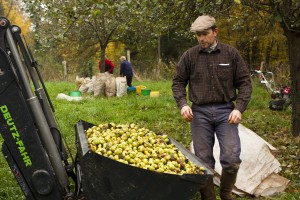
(126, 70)
(213, 72)
(109, 66)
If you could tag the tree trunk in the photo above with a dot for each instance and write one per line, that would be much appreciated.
(293, 40)
(102, 59)
(255, 54)
(157, 71)
(268, 54)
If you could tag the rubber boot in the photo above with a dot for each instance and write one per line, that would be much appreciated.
(208, 192)
(228, 180)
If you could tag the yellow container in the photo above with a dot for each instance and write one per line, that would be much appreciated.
(139, 89)
(154, 94)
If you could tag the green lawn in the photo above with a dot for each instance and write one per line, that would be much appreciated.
(162, 116)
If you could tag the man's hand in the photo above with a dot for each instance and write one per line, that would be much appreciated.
(235, 117)
(186, 113)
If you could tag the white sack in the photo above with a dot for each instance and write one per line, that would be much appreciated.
(256, 173)
(110, 86)
(78, 82)
(99, 84)
(272, 185)
(121, 86)
(91, 85)
(67, 97)
(85, 85)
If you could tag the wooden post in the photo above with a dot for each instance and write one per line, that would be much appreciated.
(157, 73)
(64, 63)
(128, 55)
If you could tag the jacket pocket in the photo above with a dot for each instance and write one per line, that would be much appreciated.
(224, 71)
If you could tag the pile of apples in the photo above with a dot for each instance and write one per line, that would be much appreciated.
(139, 147)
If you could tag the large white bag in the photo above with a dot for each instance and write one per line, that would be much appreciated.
(121, 86)
(258, 171)
(91, 85)
(85, 85)
(110, 86)
(99, 84)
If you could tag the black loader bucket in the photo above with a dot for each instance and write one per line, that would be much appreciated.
(107, 179)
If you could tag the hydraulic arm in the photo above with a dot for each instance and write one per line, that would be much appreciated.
(32, 142)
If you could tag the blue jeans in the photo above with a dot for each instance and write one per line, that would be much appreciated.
(208, 120)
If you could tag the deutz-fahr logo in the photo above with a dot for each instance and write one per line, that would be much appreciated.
(15, 134)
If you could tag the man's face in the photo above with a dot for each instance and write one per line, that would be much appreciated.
(207, 38)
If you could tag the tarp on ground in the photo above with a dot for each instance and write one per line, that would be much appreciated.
(258, 173)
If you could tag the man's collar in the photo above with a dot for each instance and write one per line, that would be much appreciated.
(210, 49)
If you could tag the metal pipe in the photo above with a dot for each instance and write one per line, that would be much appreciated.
(39, 117)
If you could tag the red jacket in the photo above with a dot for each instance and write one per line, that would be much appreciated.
(109, 66)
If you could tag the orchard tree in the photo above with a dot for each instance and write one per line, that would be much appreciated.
(136, 23)
(12, 11)
(287, 13)
(89, 23)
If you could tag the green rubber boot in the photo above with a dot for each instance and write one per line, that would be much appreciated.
(208, 192)
(228, 180)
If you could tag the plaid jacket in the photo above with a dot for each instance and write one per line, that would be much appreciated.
(217, 77)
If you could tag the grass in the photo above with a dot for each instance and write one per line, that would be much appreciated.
(162, 116)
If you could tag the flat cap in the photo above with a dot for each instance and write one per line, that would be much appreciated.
(202, 23)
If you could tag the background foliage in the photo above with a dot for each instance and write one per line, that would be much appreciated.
(78, 31)
(156, 33)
